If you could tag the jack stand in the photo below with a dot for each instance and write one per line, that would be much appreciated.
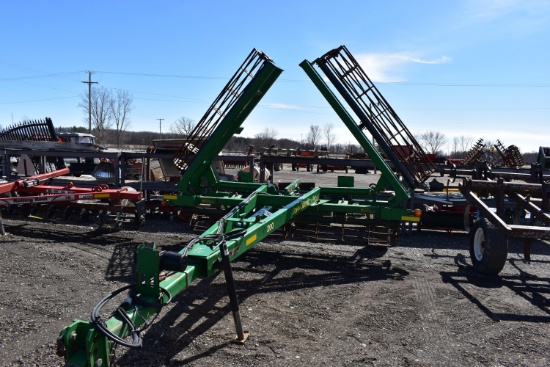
(2, 230)
(242, 335)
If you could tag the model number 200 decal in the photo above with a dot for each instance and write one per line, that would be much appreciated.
(270, 226)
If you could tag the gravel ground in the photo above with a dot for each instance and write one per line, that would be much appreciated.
(305, 303)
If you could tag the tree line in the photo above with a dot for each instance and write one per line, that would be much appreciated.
(110, 112)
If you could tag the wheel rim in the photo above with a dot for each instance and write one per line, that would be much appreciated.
(479, 244)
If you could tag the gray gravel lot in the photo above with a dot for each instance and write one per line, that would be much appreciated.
(305, 303)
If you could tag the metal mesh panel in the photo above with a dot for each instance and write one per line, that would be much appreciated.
(37, 130)
(511, 156)
(376, 114)
(474, 153)
(217, 111)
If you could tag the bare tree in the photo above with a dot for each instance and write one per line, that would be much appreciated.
(121, 106)
(461, 144)
(465, 143)
(266, 137)
(339, 148)
(352, 148)
(455, 146)
(330, 137)
(101, 111)
(183, 126)
(433, 141)
(313, 136)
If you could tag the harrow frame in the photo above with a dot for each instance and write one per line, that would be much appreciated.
(255, 210)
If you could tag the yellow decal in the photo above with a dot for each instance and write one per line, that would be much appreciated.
(101, 196)
(410, 218)
(300, 207)
(250, 240)
(368, 210)
(170, 197)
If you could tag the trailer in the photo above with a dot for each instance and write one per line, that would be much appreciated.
(515, 210)
(253, 210)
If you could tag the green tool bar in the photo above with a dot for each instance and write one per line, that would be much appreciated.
(387, 175)
(347, 191)
(217, 197)
(257, 227)
(371, 212)
(83, 344)
(229, 199)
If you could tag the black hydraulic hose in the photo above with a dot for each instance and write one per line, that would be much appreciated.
(141, 302)
(136, 336)
(100, 325)
(217, 237)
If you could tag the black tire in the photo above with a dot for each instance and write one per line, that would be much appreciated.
(488, 247)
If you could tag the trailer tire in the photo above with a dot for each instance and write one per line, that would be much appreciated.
(488, 247)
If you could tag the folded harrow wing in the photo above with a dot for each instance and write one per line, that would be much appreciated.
(375, 114)
(105, 206)
(252, 211)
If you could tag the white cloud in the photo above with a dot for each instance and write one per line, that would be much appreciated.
(490, 9)
(390, 67)
(281, 106)
(441, 60)
(516, 10)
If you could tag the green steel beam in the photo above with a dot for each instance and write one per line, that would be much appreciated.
(387, 175)
(84, 345)
(192, 181)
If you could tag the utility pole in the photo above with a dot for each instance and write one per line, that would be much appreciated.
(160, 127)
(89, 82)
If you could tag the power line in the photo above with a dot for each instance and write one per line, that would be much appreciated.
(38, 76)
(475, 85)
(432, 84)
(38, 100)
(164, 75)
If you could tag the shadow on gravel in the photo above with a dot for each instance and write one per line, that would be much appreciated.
(122, 265)
(530, 287)
(56, 233)
(206, 303)
(432, 239)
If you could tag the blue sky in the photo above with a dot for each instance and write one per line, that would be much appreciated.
(477, 68)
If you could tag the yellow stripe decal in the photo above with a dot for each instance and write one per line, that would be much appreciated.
(170, 197)
(410, 218)
(250, 240)
(101, 196)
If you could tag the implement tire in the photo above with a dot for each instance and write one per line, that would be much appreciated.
(488, 247)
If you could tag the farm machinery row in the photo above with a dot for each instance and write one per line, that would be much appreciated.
(248, 211)
(28, 189)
